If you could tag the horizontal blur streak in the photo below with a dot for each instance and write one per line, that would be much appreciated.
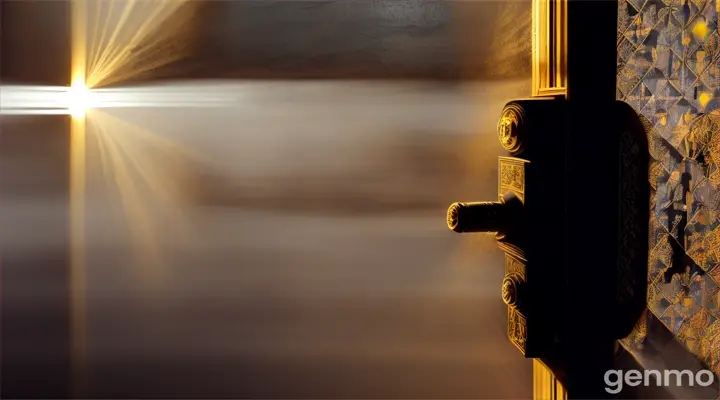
(281, 252)
(269, 142)
(37, 100)
(45, 100)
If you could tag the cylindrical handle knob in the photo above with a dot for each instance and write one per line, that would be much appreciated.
(486, 216)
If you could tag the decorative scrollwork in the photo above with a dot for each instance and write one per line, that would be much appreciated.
(508, 128)
(511, 290)
(517, 329)
(512, 175)
(514, 267)
(453, 216)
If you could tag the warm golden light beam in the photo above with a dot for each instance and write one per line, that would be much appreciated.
(166, 44)
(143, 150)
(138, 213)
(108, 50)
(143, 137)
(77, 99)
(94, 40)
(133, 161)
(132, 30)
(120, 28)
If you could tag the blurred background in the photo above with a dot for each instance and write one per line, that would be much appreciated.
(288, 241)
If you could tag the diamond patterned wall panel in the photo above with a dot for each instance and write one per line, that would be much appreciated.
(669, 71)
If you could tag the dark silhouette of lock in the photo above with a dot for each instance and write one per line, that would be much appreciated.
(537, 210)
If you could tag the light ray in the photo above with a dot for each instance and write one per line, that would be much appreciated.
(117, 53)
(143, 149)
(92, 42)
(74, 100)
(136, 37)
(139, 219)
(109, 49)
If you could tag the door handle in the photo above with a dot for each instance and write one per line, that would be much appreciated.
(498, 217)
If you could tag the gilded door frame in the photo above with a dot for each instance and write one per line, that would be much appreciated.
(549, 48)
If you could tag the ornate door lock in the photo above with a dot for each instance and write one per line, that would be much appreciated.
(530, 219)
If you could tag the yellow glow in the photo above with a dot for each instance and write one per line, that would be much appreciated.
(704, 98)
(700, 30)
(79, 99)
(685, 39)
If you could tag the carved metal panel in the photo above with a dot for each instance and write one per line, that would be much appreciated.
(517, 322)
(511, 175)
(517, 329)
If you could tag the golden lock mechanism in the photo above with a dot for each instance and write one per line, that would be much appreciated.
(537, 211)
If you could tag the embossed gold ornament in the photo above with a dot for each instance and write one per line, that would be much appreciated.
(453, 216)
(513, 176)
(514, 267)
(511, 290)
(509, 128)
(517, 329)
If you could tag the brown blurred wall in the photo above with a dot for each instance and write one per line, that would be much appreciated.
(358, 39)
(34, 168)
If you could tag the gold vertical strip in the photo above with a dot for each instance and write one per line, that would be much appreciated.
(549, 47)
(545, 385)
(536, 47)
(78, 24)
(77, 202)
(546, 32)
(561, 46)
(543, 39)
(560, 393)
(553, 43)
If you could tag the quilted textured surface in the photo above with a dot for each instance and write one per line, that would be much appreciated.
(669, 71)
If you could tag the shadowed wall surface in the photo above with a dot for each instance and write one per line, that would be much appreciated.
(357, 39)
(33, 166)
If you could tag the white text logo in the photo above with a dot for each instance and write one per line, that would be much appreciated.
(616, 378)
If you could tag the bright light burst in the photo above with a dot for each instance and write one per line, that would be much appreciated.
(79, 100)
(114, 42)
